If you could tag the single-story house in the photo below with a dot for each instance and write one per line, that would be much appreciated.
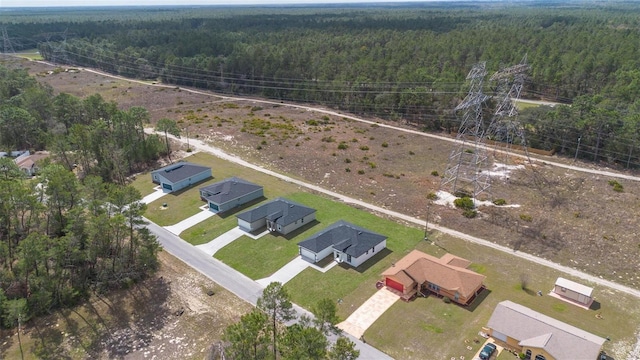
(230, 193)
(279, 215)
(541, 337)
(28, 163)
(446, 276)
(573, 291)
(348, 243)
(180, 175)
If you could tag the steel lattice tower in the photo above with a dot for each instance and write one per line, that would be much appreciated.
(8, 48)
(467, 168)
(504, 127)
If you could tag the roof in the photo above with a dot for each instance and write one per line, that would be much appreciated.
(419, 267)
(180, 171)
(229, 189)
(27, 161)
(280, 210)
(574, 286)
(531, 328)
(345, 237)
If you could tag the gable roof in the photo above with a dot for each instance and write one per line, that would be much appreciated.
(345, 237)
(446, 272)
(574, 286)
(180, 171)
(28, 161)
(531, 328)
(280, 210)
(228, 189)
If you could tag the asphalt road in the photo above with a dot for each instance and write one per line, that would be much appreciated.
(242, 286)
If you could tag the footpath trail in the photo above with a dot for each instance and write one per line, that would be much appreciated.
(202, 146)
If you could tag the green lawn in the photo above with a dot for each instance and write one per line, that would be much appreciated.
(409, 330)
(144, 184)
(31, 54)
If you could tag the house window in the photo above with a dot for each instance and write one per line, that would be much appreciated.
(348, 258)
(373, 249)
(540, 357)
(434, 287)
(527, 354)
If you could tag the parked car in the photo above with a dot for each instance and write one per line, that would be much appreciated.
(487, 351)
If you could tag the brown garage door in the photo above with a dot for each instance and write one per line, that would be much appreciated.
(394, 285)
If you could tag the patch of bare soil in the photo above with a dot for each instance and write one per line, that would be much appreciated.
(573, 218)
(160, 318)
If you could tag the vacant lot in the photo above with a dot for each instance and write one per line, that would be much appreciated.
(569, 217)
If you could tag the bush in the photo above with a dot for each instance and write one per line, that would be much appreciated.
(470, 214)
(361, 172)
(364, 148)
(385, 144)
(372, 165)
(432, 196)
(465, 203)
(499, 202)
(343, 146)
(617, 187)
(526, 217)
(347, 160)
(446, 300)
(411, 153)
(347, 170)
(312, 123)
(435, 173)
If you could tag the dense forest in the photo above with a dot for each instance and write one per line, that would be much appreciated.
(404, 62)
(72, 230)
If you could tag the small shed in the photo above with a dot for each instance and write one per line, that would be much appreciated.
(230, 193)
(573, 291)
(180, 175)
(279, 215)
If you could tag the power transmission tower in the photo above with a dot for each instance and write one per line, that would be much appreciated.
(467, 167)
(8, 48)
(504, 128)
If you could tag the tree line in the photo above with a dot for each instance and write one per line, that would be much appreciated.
(74, 229)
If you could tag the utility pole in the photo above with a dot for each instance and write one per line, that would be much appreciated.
(188, 147)
(577, 148)
(8, 48)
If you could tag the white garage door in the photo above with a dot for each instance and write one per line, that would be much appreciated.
(500, 336)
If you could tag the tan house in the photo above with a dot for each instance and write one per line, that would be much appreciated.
(541, 337)
(446, 276)
(573, 291)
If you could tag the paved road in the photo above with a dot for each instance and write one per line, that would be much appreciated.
(242, 286)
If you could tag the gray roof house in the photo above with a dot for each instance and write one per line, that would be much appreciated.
(279, 215)
(180, 175)
(539, 336)
(230, 193)
(348, 243)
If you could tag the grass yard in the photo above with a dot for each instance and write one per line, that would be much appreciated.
(186, 203)
(143, 184)
(31, 54)
(209, 229)
(428, 325)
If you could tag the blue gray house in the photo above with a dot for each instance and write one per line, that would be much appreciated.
(230, 193)
(280, 215)
(180, 175)
(348, 243)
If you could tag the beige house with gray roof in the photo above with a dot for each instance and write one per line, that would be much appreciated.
(541, 337)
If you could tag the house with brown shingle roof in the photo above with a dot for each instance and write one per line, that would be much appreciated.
(446, 276)
(541, 337)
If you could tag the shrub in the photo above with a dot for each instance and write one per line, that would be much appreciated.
(499, 202)
(469, 213)
(526, 217)
(465, 203)
(372, 165)
(328, 139)
(617, 187)
(347, 160)
(343, 146)
(432, 196)
(312, 123)
(354, 140)
(325, 118)
(264, 142)
(361, 172)
(364, 148)
(347, 170)
(446, 300)
(462, 193)
(259, 147)
(256, 108)
(435, 173)
(411, 153)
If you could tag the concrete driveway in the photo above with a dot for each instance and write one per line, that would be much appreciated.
(368, 313)
(189, 222)
(221, 241)
(157, 194)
